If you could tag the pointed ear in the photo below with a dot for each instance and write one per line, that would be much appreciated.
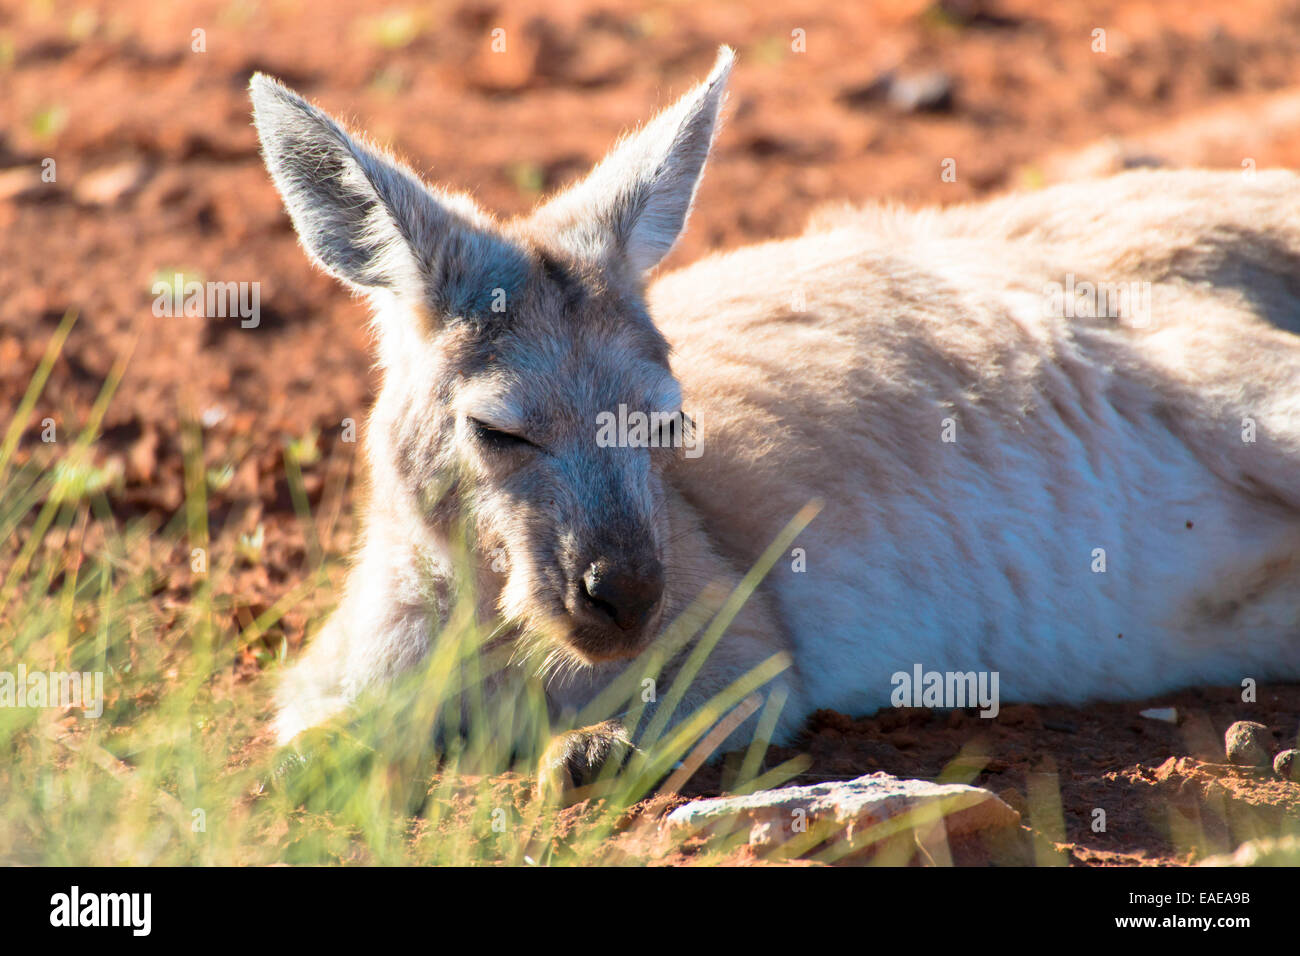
(367, 219)
(635, 203)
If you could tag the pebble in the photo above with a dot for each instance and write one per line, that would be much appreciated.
(1287, 765)
(1168, 715)
(1247, 744)
(921, 93)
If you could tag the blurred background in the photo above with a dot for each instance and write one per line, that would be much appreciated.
(126, 155)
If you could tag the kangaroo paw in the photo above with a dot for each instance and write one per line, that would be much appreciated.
(573, 761)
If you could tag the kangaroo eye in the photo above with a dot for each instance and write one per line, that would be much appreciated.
(495, 438)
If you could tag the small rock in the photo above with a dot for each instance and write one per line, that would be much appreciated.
(212, 416)
(103, 187)
(1167, 714)
(142, 457)
(852, 810)
(921, 93)
(1248, 744)
(907, 93)
(21, 182)
(1287, 765)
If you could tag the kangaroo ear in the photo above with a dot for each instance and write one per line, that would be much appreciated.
(635, 203)
(367, 219)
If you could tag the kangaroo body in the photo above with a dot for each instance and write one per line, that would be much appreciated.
(1055, 436)
(1116, 509)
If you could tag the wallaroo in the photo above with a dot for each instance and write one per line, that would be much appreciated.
(1090, 506)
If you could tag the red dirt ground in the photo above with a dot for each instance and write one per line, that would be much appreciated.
(157, 172)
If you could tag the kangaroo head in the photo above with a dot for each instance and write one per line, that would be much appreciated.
(508, 348)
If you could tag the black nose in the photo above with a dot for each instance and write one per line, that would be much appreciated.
(625, 596)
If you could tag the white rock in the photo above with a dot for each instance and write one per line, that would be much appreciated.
(862, 811)
(21, 182)
(103, 187)
(1168, 714)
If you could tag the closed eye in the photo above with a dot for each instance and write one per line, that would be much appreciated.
(495, 438)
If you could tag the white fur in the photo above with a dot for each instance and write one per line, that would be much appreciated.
(829, 368)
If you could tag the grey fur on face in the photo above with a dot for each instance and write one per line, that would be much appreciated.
(503, 343)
